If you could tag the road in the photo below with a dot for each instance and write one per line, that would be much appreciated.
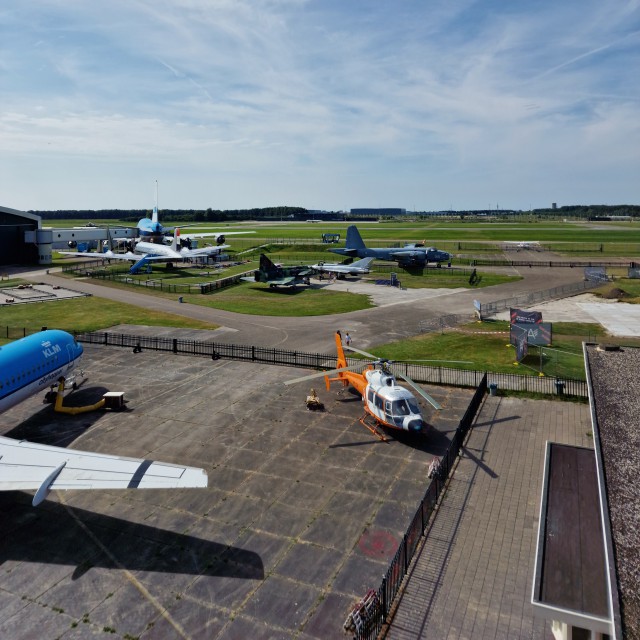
(398, 317)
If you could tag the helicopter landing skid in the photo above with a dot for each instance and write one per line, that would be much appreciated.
(366, 421)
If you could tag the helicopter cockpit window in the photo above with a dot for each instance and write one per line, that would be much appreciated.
(413, 405)
(379, 402)
(403, 407)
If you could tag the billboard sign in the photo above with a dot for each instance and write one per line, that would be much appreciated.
(595, 274)
(536, 334)
(518, 337)
(518, 316)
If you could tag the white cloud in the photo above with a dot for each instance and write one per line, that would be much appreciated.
(377, 98)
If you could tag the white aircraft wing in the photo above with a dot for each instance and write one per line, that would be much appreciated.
(212, 234)
(110, 255)
(203, 251)
(30, 466)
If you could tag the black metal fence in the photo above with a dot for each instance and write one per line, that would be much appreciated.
(525, 300)
(444, 376)
(97, 269)
(571, 264)
(368, 622)
(419, 373)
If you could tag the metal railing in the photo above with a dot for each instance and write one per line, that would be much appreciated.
(371, 621)
(527, 299)
(96, 269)
(444, 376)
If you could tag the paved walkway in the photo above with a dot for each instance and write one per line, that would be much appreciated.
(472, 577)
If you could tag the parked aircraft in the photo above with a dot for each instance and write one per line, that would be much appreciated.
(277, 276)
(358, 268)
(409, 255)
(150, 229)
(29, 366)
(385, 401)
(524, 244)
(146, 252)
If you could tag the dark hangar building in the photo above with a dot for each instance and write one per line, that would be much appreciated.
(390, 211)
(13, 247)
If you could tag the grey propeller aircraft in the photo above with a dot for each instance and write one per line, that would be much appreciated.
(409, 255)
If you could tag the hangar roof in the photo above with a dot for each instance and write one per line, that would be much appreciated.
(32, 217)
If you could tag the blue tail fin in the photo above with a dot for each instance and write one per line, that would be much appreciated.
(354, 240)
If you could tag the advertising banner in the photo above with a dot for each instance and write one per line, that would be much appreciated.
(536, 334)
(519, 339)
(518, 316)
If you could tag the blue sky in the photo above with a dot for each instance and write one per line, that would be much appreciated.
(325, 104)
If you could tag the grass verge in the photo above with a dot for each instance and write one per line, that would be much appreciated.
(90, 314)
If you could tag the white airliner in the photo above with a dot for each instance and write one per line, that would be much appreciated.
(358, 268)
(31, 365)
(153, 252)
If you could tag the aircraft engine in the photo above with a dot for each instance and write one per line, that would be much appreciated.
(220, 239)
(72, 244)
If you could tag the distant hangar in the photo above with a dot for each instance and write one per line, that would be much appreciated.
(13, 247)
(24, 241)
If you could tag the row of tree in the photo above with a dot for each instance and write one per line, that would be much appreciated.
(598, 211)
(176, 215)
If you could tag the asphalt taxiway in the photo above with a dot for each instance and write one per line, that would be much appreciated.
(303, 512)
(399, 313)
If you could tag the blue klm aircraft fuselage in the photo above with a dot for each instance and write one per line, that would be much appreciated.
(34, 363)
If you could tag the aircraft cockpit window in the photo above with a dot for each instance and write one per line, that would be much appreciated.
(400, 408)
(405, 407)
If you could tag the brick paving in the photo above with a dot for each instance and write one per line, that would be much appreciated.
(472, 577)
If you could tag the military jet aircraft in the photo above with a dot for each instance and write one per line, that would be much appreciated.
(277, 276)
(358, 268)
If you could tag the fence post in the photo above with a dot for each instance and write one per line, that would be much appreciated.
(385, 610)
(175, 345)
(406, 559)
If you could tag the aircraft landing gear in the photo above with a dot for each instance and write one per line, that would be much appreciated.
(369, 423)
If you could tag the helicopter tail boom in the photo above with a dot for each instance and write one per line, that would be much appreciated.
(342, 360)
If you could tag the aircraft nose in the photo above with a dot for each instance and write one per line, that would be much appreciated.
(414, 425)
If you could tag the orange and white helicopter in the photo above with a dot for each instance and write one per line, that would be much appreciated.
(385, 401)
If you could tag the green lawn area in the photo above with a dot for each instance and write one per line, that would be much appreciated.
(630, 289)
(486, 345)
(259, 299)
(89, 314)
(454, 235)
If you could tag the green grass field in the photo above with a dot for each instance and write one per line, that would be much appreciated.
(486, 346)
(186, 275)
(447, 231)
(89, 314)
